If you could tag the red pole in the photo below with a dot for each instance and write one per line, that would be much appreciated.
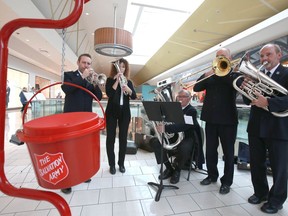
(5, 33)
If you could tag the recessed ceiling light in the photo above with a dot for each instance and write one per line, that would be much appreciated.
(87, 14)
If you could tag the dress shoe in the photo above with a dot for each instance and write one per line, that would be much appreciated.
(175, 177)
(256, 200)
(66, 190)
(87, 181)
(166, 174)
(270, 209)
(122, 169)
(207, 181)
(224, 189)
(112, 170)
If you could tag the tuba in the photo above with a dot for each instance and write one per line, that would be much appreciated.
(96, 79)
(122, 79)
(259, 82)
(170, 141)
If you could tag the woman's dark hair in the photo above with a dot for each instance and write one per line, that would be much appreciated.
(127, 68)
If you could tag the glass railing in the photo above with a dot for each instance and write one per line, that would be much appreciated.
(139, 121)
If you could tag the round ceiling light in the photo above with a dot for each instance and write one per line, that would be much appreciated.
(113, 42)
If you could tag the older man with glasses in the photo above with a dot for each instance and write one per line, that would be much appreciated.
(183, 151)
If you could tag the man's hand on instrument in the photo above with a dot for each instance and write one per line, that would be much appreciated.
(260, 101)
(160, 128)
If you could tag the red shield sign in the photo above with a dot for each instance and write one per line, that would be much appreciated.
(51, 167)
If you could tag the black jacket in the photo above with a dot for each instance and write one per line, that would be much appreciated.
(76, 99)
(219, 106)
(190, 131)
(113, 105)
(261, 122)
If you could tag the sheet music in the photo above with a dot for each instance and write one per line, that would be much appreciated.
(188, 120)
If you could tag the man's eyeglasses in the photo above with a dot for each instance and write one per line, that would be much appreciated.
(182, 96)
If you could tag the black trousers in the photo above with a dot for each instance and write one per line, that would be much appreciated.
(112, 121)
(182, 152)
(227, 136)
(278, 157)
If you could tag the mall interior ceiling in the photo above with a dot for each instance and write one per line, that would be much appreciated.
(240, 26)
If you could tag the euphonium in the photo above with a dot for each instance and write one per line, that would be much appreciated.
(259, 82)
(122, 79)
(170, 141)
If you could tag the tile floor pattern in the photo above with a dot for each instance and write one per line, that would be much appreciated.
(125, 194)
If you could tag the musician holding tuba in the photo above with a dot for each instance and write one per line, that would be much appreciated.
(184, 148)
(220, 114)
(269, 132)
(118, 111)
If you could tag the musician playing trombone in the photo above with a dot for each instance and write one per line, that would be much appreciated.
(184, 149)
(220, 114)
(266, 131)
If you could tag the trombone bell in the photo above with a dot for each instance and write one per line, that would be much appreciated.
(221, 66)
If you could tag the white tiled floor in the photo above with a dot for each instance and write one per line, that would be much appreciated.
(125, 194)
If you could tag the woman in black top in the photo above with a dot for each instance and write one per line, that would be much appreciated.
(118, 111)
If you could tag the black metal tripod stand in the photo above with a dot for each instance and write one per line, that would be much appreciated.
(160, 185)
(163, 112)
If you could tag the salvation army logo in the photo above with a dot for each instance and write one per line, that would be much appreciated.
(52, 167)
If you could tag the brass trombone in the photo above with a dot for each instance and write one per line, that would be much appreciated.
(220, 65)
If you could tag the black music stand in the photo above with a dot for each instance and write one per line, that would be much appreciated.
(163, 112)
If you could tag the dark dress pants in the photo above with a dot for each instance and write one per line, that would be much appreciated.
(182, 152)
(278, 156)
(123, 121)
(227, 136)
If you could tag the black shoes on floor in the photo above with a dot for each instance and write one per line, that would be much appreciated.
(69, 190)
(112, 170)
(266, 207)
(270, 209)
(166, 174)
(224, 189)
(66, 190)
(256, 200)
(175, 177)
(122, 169)
(174, 174)
(207, 181)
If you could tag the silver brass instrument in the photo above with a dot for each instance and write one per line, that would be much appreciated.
(259, 82)
(96, 79)
(170, 141)
(220, 65)
(122, 79)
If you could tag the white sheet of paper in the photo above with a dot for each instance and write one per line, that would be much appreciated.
(188, 120)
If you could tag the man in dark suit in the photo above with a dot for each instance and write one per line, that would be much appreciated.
(266, 131)
(184, 148)
(77, 100)
(220, 114)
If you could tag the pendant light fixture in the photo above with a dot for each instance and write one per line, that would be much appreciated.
(113, 42)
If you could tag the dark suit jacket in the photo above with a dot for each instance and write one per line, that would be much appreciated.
(262, 123)
(77, 100)
(219, 106)
(190, 131)
(113, 105)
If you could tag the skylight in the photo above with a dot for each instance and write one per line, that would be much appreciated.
(152, 23)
